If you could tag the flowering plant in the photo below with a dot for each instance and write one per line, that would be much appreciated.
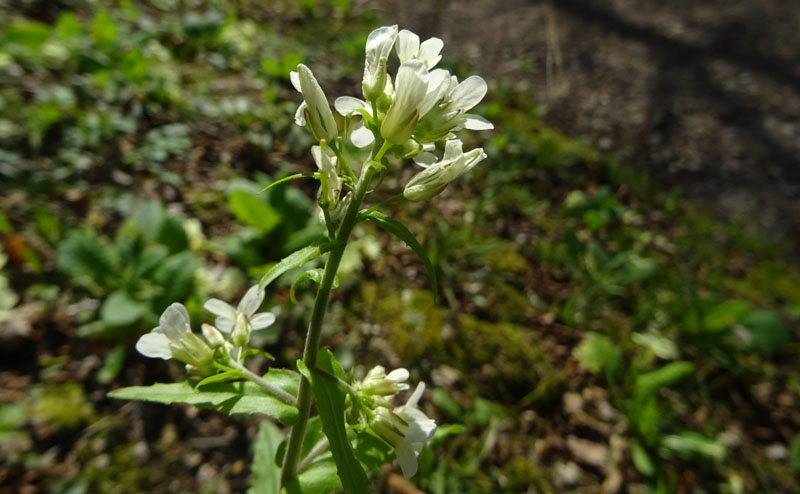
(408, 116)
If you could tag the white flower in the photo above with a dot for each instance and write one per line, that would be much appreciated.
(379, 46)
(409, 48)
(411, 89)
(314, 111)
(227, 316)
(446, 106)
(377, 382)
(173, 338)
(434, 179)
(406, 429)
(360, 135)
(331, 183)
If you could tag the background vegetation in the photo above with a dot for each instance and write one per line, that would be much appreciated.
(593, 331)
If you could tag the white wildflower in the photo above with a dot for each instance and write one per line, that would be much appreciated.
(173, 338)
(434, 179)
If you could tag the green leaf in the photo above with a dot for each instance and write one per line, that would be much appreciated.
(641, 460)
(252, 211)
(286, 379)
(231, 398)
(314, 275)
(372, 452)
(691, 445)
(399, 230)
(650, 382)
(597, 354)
(724, 316)
(320, 478)
(767, 331)
(794, 453)
(228, 375)
(119, 309)
(330, 405)
(104, 31)
(290, 177)
(176, 275)
(82, 257)
(257, 351)
(292, 261)
(113, 364)
(266, 473)
(172, 234)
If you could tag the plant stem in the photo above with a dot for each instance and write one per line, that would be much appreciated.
(252, 376)
(315, 325)
(312, 455)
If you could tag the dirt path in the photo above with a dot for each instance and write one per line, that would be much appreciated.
(706, 93)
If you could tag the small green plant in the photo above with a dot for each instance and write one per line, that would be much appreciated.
(137, 274)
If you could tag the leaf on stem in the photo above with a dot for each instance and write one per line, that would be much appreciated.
(231, 398)
(294, 260)
(266, 473)
(290, 177)
(400, 231)
(330, 405)
(314, 275)
(229, 375)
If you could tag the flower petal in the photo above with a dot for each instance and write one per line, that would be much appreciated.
(429, 51)
(425, 159)
(415, 396)
(379, 44)
(469, 93)
(251, 301)
(361, 136)
(220, 308)
(398, 375)
(476, 122)
(407, 457)
(174, 322)
(262, 320)
(346, 105)
(300, 114)
(225, 324)
(407, 45)
(295, 78)
(452, 149)
(154, 344)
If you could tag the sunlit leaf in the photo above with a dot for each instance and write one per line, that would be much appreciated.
(400, 231)
(231, 398)
(330, 405)
(266, 473)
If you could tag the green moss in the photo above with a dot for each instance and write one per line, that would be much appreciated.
(61, 405)
(505, 360)
(522, 473)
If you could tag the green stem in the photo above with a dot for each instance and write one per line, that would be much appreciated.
(315, 325)
(252, 376)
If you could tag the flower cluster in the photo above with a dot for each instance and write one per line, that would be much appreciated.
(420, 107)
(173, 337)
(405, 428)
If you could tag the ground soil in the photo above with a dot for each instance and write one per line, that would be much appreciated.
(706, 94)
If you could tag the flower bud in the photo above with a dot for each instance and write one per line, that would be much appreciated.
(432, 180)
(331, 183)
(379, 46)
(377, 382)
(213, 336)
(389, 426)
(314, 111)
(241, 331)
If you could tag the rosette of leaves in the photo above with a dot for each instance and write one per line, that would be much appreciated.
(146, 266)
